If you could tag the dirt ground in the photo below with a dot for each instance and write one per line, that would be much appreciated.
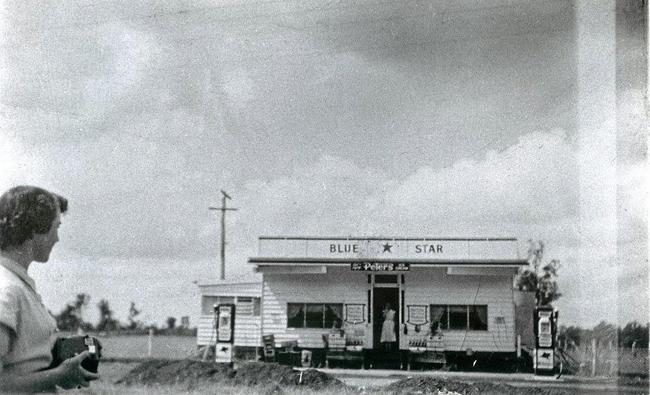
(271, 378)
(426, 385)
(194, 373)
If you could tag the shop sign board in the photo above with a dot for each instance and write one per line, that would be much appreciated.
(410, 249)
(379, 267)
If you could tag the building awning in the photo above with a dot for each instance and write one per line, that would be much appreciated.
(290, 261)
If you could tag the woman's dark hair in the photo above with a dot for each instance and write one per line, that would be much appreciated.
(25, 211)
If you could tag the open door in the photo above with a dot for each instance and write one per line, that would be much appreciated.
(382, 296)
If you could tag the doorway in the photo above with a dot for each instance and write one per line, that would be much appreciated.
(382, 296)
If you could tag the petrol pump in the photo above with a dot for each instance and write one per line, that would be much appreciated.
(225, 321)
(545, 337)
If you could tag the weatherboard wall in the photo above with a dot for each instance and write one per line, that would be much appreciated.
(494, 289)
(422, 286)
(335, 286)
(248, 328)
(247, 331)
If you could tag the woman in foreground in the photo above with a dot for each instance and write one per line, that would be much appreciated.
(29, 222)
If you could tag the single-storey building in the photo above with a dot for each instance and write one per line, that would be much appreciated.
(246, 296)
(456, 291)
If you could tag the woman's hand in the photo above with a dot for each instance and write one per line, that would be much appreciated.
(71, 374)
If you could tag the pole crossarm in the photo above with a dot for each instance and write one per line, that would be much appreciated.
(223, 210)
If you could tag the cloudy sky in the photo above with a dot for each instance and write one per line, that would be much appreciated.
(415, 118)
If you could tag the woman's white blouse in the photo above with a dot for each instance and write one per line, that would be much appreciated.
(31, 326)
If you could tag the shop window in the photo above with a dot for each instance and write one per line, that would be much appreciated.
(314, 315)
(459, 317)
(439, 317)
(295, 315)
(333, 315)
(208, 302)
(478, 318)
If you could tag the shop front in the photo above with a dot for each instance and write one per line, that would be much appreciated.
(390, 301)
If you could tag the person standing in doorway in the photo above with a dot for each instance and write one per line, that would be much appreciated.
(388, 336)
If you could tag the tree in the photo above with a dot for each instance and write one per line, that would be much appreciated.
(80, 303)
(106, 320)
(538, 277)
(571, 336)
(605, 333)
(67, 320)
(133, 313)
(171, 322)
(634, 334)
(71, 317)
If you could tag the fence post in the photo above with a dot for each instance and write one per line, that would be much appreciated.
(593, 357)
(518, 346)
(150, 342)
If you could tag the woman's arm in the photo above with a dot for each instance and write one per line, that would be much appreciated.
(69, 374)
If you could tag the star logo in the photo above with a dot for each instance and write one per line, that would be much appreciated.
(387, 247)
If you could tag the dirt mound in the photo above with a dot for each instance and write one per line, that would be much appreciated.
(317, 380)
(260, 373)
(174, 372)
(253, 374)
(433, 385)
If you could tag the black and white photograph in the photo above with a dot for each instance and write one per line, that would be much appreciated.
(324, 197)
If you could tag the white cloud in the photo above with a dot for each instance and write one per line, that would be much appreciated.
(18, 164)
(531, 183)
(239, 87)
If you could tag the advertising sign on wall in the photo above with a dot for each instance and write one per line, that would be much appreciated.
(417, 314)
(355, 313)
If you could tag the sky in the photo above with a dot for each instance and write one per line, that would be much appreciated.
(416, 118)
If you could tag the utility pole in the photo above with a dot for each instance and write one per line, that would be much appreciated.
(223, 210)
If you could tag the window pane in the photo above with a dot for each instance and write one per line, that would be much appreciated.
(226, 299)
(438, 317)
(207, 304)
(314, 316)
(333, 315)
(385, 279)
(478, 318)
(457, 317)
(256, 307)
(244, 306)
(295, 315)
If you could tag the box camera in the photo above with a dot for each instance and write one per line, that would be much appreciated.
(66, 348)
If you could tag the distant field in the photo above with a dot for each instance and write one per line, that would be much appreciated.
(135, 347)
